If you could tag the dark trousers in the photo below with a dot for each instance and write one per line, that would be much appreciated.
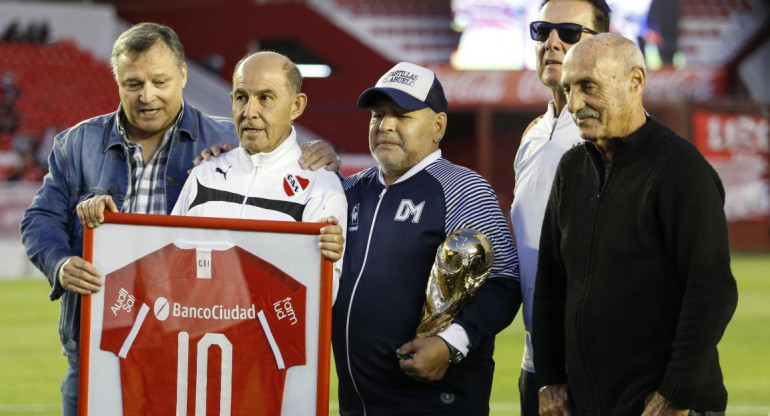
(528, 394)
(529, 402)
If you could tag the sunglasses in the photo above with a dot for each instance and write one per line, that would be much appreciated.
(568, 32)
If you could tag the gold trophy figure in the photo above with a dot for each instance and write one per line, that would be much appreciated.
(463, 263)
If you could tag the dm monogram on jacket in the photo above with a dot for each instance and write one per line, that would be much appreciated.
(407, 209)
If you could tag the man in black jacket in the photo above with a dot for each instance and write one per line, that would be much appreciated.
(634, 288)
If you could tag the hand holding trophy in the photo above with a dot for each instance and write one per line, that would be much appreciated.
(463, 262)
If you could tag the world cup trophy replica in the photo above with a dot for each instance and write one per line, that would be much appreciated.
(463, 262)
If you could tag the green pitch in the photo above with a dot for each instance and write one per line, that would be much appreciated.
(31, 366)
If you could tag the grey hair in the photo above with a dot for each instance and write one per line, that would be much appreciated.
(141, 37)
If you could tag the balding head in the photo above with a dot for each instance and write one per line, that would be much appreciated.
(609, 47)
(266, 100)
(604, 78)
(293, 75)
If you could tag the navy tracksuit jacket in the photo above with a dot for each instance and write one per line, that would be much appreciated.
(393, 234)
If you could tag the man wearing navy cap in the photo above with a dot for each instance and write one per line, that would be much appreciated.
(399, 212)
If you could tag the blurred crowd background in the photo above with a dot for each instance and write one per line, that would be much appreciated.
(708, 79)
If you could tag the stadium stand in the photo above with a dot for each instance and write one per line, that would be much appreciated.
(57, 85)
(411, 30)
(724, 43)
(60, 83)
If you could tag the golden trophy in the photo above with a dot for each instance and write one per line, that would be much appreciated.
(463, 262)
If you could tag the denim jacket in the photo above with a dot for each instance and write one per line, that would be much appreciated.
(91, 159)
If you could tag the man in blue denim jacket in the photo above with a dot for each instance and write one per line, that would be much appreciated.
(139, 156)
(133, 160)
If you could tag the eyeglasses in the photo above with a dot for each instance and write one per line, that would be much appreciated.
(568, 32)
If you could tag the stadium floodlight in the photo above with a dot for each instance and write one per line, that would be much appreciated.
(314, 70)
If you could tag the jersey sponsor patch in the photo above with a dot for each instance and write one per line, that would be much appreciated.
(161, 308)
(284, 309)
(216, 312)
(293, 185)
(125, 302)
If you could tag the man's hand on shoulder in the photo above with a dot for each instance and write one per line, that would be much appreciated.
(657, 405)
(319, 154)
(91, 211)
(213, 151)
(79, 276)
(553, 400)
(426, 359)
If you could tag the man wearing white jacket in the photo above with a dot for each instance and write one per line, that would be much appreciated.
(262, 179)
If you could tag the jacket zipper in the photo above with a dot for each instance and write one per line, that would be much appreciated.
(603, 185)
(246, 191)
(553, 129)
(603, 182)
(353, 295)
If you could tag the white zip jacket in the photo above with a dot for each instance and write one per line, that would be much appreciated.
(264, 186)
(535, 165)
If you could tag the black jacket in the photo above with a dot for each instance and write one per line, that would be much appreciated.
(634, 287)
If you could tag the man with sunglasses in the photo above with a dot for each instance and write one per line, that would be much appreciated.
(561, 24)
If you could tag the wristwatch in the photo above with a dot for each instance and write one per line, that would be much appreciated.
(455, 356)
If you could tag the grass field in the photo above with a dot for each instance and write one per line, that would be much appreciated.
(31, 367)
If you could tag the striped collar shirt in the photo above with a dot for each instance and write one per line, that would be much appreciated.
(147, 191)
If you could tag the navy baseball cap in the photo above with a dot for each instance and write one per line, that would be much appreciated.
(411, 86)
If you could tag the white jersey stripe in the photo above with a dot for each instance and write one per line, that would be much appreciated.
(134, 331)
(271, 340)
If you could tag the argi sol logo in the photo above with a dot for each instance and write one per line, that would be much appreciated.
(125, 301)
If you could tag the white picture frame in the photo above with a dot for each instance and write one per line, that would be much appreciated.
(288, 246)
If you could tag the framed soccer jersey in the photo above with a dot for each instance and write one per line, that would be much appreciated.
(203, 316)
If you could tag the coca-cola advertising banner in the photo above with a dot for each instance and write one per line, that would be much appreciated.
(469, 89)
(738, 146)
(473, 88)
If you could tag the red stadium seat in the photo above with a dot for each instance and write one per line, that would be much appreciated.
(60, 84)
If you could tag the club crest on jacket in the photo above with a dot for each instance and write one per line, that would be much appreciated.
(293, 185)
